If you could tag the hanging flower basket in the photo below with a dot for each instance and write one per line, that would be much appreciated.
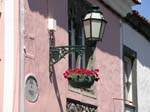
(81, 78)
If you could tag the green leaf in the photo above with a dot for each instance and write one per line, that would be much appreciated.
(73, 76)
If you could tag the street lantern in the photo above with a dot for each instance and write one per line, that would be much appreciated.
(94, 24)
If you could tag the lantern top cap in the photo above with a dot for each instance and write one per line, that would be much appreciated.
(94, 13)
(94, 9)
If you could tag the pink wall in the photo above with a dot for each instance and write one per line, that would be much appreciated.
(37, 52)
(108, 60)
(37, 58)
(1, 55)
(16, 57)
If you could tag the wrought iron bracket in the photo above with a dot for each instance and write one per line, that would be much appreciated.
(59, 52)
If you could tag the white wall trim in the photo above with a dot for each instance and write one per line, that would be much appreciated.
(8, 89)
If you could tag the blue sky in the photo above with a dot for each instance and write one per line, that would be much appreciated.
(144, 8)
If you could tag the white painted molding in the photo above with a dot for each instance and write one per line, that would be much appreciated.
(8, 88)
(122, 7)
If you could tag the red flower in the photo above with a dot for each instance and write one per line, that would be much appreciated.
(81, 72)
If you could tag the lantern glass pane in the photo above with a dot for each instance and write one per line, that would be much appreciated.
(96, 25)
(87, 28)
(103, 23)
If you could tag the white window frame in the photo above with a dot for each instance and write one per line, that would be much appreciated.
(130, 80)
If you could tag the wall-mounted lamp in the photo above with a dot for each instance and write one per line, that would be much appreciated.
(94, 26)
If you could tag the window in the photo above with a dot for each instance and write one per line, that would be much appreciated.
(128, 78)
(129, 108)
(76, 38)
(130, 83)
(76, 34)
(76, 12)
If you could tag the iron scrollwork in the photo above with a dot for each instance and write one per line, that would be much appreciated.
(76, 106)
(58, 52)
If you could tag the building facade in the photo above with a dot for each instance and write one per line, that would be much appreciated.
(54, 92)
(25, 61)
(135, 34)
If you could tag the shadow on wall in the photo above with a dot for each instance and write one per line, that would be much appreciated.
(57, 93)
(52, 76)
(59, 11)
(138, 43)
(144, 59)
(39, 6)
(111, 40)
(52, 9)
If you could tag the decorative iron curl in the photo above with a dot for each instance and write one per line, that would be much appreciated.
(59, 52)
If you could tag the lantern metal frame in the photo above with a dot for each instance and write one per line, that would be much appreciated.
(94, 38)
(95, 9)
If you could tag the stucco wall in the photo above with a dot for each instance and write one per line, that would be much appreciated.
(138, 43)
(37, 59)
(37, 53)
(108, 61)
